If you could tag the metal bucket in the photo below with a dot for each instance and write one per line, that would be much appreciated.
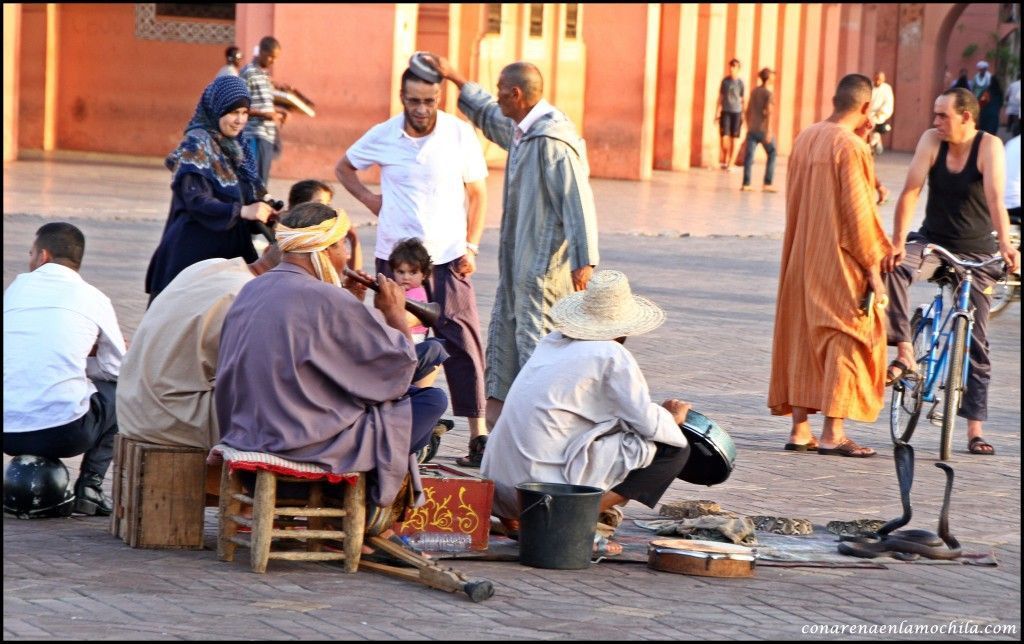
(557, 522)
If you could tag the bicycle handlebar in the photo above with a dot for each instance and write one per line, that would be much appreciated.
(956, 261)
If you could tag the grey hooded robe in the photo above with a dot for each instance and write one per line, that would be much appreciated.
(548, 230)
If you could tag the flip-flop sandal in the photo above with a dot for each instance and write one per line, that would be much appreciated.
(847, 448)
(978, 444)
(605, 547)
(811, 446)
(896, 364)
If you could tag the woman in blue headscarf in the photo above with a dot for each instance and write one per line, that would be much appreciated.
(215, 187)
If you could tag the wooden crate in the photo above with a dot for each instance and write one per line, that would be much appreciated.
(456, 501)
(159, 495)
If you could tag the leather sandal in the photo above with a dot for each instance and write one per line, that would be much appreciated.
(979, 445)
(901, 370)
(847, 448)
(809, 446)
(476, 453)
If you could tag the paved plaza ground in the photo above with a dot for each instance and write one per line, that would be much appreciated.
(709, 255)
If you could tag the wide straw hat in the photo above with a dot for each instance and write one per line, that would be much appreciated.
(606, 310)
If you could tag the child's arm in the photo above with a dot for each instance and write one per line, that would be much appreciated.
(412, 320)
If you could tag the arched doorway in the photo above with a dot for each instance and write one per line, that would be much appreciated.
(941, 81)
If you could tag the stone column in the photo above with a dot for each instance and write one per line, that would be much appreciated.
(621, 78)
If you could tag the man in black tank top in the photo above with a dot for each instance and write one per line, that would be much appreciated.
(966, 173)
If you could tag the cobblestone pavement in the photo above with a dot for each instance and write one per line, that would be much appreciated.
(69, 579)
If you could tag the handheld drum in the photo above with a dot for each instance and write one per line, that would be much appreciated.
(701, 558)
(712, 452)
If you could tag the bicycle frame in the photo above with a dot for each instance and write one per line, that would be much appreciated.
(936, 364)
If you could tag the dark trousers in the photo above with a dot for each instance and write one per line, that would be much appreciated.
(91, 435)
(753, 139)
(428, 405)
(263, 152)
(648, 484)
(459, 327)
(429, 355)
(974, 405)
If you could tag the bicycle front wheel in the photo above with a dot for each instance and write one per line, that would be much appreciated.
(954, 386)
(906, 402)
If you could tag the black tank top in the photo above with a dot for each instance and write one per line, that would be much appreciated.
(956, 216)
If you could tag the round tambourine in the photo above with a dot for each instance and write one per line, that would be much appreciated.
(701, 558)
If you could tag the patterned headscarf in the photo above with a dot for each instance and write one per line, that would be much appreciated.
(225, 162)
(315, 240)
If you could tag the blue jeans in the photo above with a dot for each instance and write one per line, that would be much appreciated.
(263, 152)
(753, 138)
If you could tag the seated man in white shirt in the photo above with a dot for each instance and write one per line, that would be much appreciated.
(62, 355)
(580, 412)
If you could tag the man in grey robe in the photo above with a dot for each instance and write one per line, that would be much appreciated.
(548, 244)
(307, 372)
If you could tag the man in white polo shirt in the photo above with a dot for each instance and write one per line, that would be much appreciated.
(62, 354)
(433, 187)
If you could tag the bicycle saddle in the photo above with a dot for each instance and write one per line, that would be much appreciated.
(945, 276)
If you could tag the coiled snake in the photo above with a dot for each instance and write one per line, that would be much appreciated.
(908, 545)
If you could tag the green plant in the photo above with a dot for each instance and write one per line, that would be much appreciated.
(1003, 54)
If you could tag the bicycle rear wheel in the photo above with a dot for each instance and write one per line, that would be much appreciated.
(1002, 293)
(954, 386)
(906, 402)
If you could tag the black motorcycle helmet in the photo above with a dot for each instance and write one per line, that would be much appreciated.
(36, 487)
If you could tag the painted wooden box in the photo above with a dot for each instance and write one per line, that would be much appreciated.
(456, 501)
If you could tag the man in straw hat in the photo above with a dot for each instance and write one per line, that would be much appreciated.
(308, 373)
(579, 412)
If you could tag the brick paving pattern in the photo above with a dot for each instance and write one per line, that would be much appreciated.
(706, 253)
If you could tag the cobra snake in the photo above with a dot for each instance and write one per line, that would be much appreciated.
(908, 545)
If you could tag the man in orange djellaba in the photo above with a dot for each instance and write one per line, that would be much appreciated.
(828, 351)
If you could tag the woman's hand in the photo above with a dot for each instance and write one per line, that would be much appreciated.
(257, 211)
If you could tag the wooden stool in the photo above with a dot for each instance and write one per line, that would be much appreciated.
(311, 521)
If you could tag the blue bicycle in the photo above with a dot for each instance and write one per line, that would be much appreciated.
(941, 353)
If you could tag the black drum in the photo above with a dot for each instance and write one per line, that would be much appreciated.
(712, 452)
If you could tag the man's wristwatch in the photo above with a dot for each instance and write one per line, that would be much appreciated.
(473, 248)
